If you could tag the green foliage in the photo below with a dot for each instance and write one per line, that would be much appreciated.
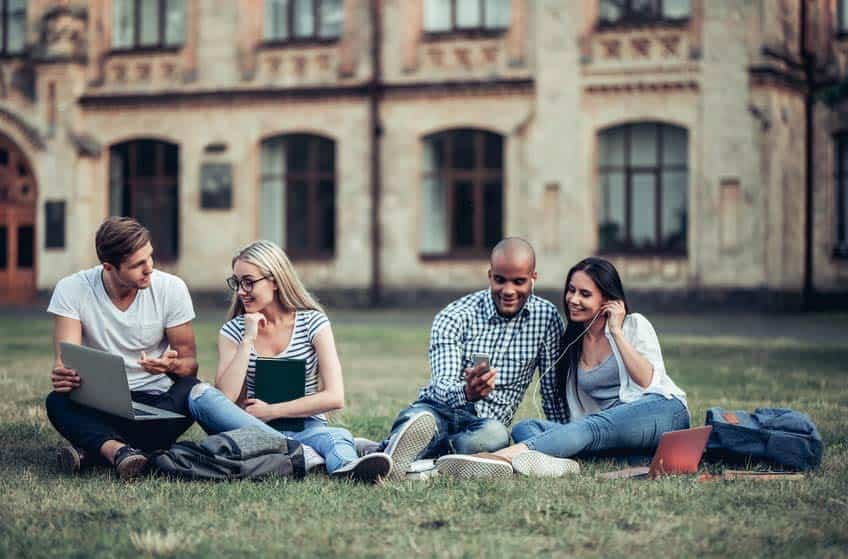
(760, 362)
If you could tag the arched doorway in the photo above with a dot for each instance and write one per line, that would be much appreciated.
(18, 192)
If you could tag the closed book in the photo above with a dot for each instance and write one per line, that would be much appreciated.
(277, 380)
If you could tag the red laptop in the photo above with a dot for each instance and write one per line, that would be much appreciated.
(679, 452)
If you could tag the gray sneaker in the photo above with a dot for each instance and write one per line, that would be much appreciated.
(409, 442)
(536, 464)
(370, 468)
(365, 446)
(474, 466)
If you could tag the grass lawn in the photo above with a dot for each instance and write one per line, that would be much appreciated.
(44, 514)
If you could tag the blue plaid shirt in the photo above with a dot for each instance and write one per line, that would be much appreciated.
(516, 347)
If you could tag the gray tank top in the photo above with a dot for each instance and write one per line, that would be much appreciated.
(601, 383)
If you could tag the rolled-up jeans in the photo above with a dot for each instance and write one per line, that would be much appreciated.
(216, 413)
(633, 426)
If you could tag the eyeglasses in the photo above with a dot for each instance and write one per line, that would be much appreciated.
(246, 284)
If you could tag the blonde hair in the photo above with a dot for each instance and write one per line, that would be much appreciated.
(273, 262)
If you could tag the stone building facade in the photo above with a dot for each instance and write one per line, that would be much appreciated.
(702, 145)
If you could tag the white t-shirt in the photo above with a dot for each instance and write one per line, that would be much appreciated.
(165, 304)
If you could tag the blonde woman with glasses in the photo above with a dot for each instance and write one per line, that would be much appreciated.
(273, 315)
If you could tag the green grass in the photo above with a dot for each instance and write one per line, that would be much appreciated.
(43, 513)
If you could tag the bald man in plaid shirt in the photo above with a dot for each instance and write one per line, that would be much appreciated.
(465, 409)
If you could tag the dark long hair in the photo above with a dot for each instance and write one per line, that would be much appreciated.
(606, 278)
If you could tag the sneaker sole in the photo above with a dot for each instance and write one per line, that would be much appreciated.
(536, 464)
(415, 437)
(131, 467)
(468, 467)
(68, 460)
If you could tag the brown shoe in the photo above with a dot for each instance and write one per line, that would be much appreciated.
(130, 463)
(70, 459)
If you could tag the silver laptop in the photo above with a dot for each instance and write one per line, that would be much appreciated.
(104, 384)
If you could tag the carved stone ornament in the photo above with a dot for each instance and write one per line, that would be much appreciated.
(63, 34)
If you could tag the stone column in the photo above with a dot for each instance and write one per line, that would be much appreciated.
(696, 26)
(99, 39)
(249, 37)
(413, 18)
(189, 51)
(352, 35)
(516, 39)
(588, 21)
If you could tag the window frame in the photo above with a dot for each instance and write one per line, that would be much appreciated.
(842, 19)
(312, 177)
(5, 21)
(628, 170)
(314, 39)
(840, 181)
(628, 19)
(480, 31)
(160, 46)
(478, 177)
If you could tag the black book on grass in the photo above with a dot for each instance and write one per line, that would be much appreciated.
(278, 379)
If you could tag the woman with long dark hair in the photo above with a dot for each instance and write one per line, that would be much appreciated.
(609, 390)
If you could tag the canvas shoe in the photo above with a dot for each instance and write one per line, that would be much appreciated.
(130, 463)
(370, 468)
(365, 446)
(409, 442)
(536, 464)
(71, 459)
(475, 466)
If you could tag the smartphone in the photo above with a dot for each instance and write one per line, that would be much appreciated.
(481, 358)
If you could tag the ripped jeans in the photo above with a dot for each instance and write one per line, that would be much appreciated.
(216, 413)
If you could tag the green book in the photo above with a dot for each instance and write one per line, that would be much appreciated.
(278, 379)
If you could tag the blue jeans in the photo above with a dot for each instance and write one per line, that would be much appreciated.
(458, 430)
(216, 413)
(634, 426)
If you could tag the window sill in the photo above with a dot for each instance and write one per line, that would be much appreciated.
(269, 44)
(637, 24)
(479, 33)
(143, 50)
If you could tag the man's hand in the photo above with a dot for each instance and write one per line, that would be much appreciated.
(259, 409)
(162, 365)
(479, 382)
(64, 379)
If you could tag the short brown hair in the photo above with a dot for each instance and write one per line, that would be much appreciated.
(118, 237)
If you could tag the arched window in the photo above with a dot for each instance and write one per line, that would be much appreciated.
(298, 196)
(144, 184)
(644, 179)
(463, 192)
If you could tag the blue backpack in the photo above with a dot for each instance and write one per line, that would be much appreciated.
(776, 435)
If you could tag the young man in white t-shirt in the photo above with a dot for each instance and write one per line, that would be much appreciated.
(127, 308)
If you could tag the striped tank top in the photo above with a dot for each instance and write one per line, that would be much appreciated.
(307, 323)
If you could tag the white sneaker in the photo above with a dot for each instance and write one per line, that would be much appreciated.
(369, 468)
(409, 442)
(311, 459)
(422, 469)
(535, 464)
(474, 466)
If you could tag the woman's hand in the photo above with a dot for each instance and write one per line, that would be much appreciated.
(253, 323)
(259, 409)
(615, 312)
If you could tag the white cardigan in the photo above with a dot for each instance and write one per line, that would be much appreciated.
(639, 332)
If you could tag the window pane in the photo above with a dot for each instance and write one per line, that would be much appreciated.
(174, 22)
(437, 15)
(463, 214)
(493, 151)
(674, 210)
(297, 215)
(434, 231)
(468, 14)
(272, 209)
(611, 10)
(146, 154)
(611, 207)
(331, 18)
(273, 157)
(157, 209)
(4, 249)
(676, 9)
(643, 145)
(643, 211)
(497, 14)
(843, 15)
(644, 8)
(492, 213)
(26, 246)
(463, 149)
(675, 145)
(304, 18)
(612, 146)
(17, 26)
(123, 23)
(149, 22)
(434, 153)
(276, 20)
(117, 165)
(326, 155)
(297, 153)
(326, 228)
(54, 214)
